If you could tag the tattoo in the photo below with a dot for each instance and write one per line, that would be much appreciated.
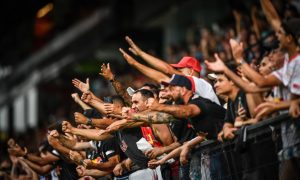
(66, 142)
(154, 117)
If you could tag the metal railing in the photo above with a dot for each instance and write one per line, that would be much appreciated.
(251, 155)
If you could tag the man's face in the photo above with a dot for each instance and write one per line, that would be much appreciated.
(175, 92)
(277, 57)
(185, 71)
(223, 86)
(265, 66)
(139, 103)
(283, 38)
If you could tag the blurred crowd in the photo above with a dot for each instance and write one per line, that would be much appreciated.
(228, 77)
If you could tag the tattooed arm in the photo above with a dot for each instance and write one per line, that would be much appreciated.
(153, 117)
(178, 111)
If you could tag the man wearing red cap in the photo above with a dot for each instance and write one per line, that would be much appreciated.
(187, 66)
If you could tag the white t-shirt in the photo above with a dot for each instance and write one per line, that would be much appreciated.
(289, 74)
(205, 90)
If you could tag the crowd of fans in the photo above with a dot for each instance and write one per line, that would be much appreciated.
(154, 132)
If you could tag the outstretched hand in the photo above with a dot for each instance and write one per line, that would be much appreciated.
(217, 66)
(133, 47)
(127, 57)
(83, 87)
(237, 50)
(106, 72)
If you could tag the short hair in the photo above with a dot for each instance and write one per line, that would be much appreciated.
(118, 99)
(292, 27)
(152, 86)
(56, 125)
(145, 93)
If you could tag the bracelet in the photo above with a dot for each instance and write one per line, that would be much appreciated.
(89, 122)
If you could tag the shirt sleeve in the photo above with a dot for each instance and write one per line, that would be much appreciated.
(200, 104)
(295, 79)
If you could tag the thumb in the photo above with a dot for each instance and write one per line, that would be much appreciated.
(217, 57)
(108, 66)
(88, 81)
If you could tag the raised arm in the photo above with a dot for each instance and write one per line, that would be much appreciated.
(219, 66)
(155, 62)
(47, 159)
(77, 99)
(153, 117)
(149, 72)
(105, 166)
(178, 111)
(100, 123)
(92, 134)
(271, 14)
(74, 145)
(261, 81)
(82, 171)
(40, 169)
(119, 88)
(54, 142)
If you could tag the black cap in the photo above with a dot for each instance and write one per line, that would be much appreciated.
(179, 80)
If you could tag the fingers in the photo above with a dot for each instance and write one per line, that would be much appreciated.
(122, 51)
(76, 82)
(133, 51)
(148, 152)
(108, 66)
(88, 81)
(129, 40)
(262, 106)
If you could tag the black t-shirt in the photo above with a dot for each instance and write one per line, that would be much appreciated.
(92, 113)
(232, 107)
(182, 130)
(127, 139)
(105, 150)
(211, 118)
(66, 170)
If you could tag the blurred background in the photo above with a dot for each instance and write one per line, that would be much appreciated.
(44, 44)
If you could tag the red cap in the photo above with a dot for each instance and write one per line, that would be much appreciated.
(188, 62)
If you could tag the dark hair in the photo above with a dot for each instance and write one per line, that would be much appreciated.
(145, 93)
(292, 27)
(56, 126)
(151, 86)
(117, 99)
